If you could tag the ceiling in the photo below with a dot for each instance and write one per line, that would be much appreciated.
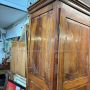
(20, 4)
(9, 16)
(12, 11)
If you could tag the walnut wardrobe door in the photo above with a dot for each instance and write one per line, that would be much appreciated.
(42, 52)
(73, 50)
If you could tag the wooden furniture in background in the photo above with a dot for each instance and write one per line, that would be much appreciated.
(19, 58)
(59, 45)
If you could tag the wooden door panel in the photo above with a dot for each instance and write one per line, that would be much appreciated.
(73, 50)
(76, 50)
(76, 55)
(75, 83)
(36, 83)
(43, 51)
(39, 47)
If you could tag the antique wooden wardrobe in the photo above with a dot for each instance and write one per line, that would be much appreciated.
(59, 45)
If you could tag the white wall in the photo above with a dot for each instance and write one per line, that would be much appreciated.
(16, 30)
(2, 54)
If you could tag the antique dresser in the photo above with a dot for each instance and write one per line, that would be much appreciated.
(59, 45)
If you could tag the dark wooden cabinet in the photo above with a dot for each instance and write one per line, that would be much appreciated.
(58, 46)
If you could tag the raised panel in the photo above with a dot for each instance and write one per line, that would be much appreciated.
(34, 86)
(81, 88)
(76, 51)
(75, 83)
(39, 46)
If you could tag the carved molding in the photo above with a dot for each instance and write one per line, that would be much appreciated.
(77, 4)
